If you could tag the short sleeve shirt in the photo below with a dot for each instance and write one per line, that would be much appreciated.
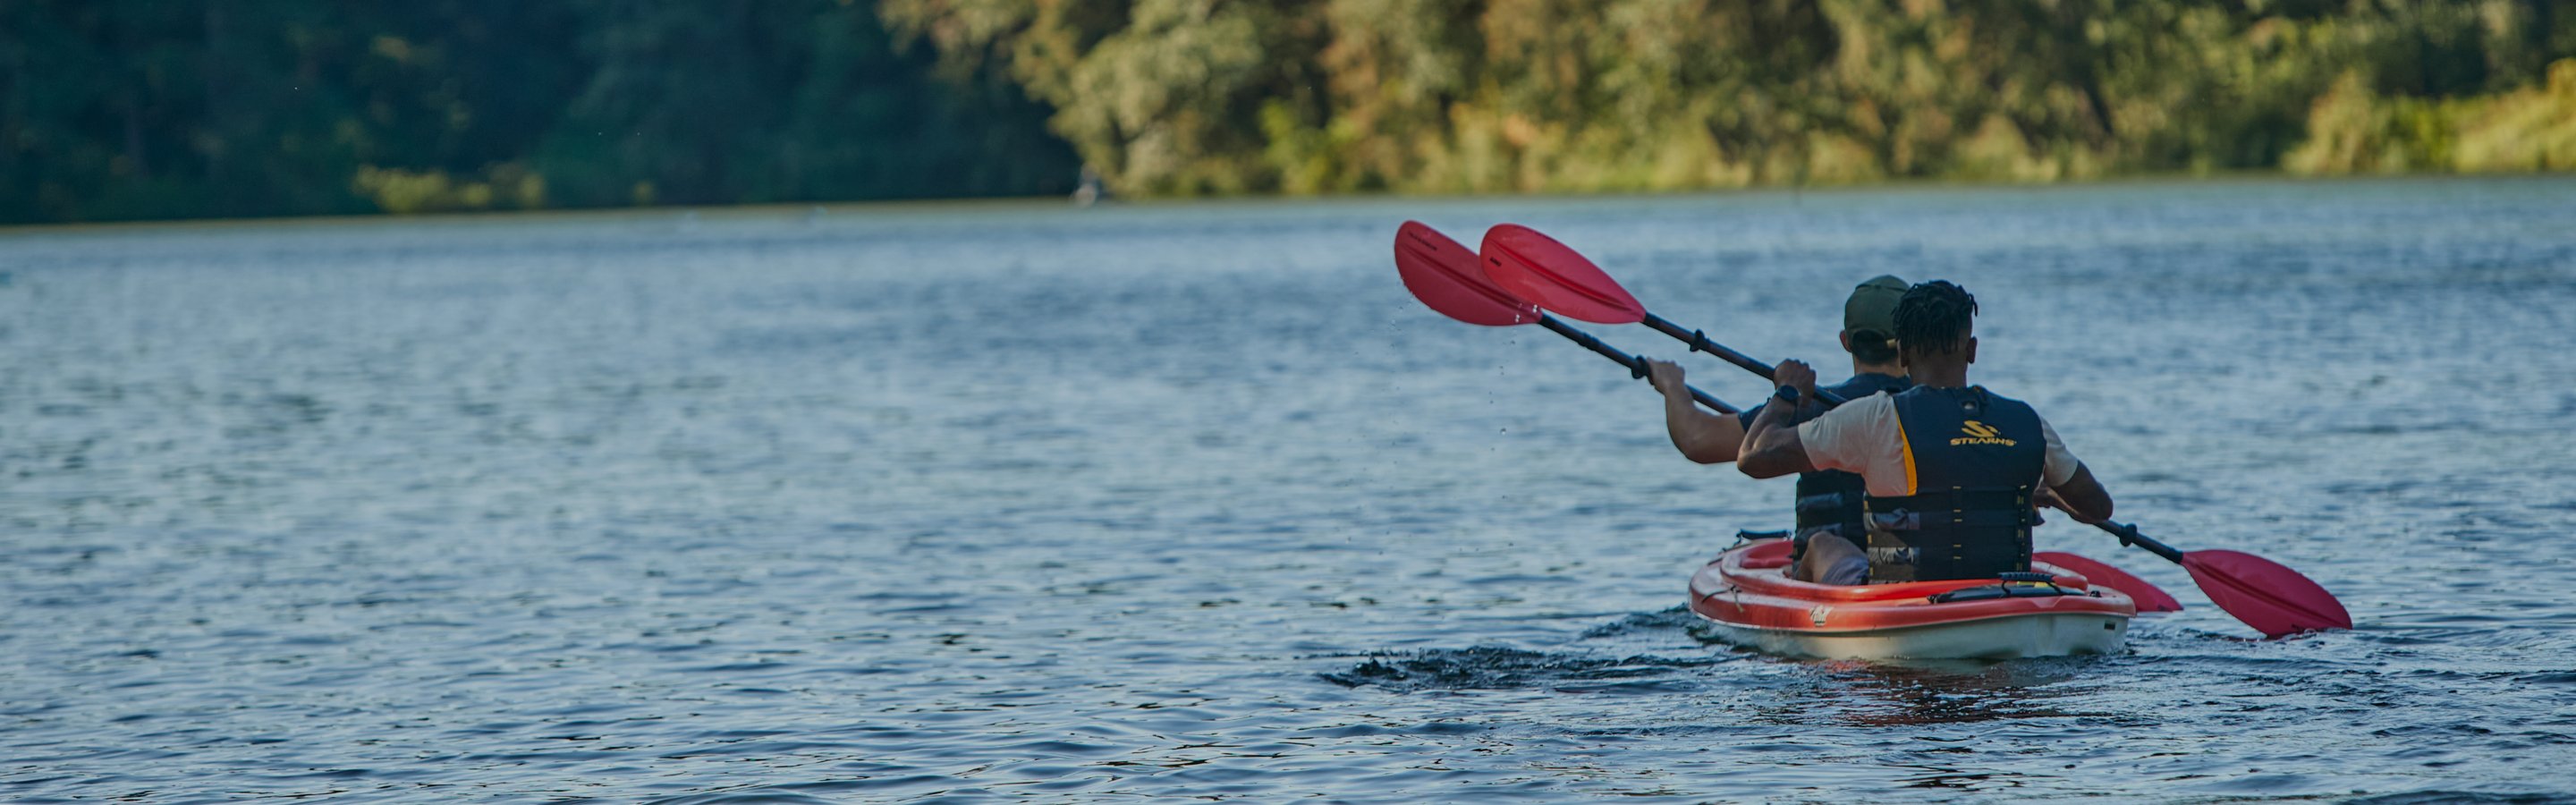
(1863, 436)
(1861, 385)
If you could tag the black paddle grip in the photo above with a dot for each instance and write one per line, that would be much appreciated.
(2128, 534)
(1637, 367)
(1698, 341)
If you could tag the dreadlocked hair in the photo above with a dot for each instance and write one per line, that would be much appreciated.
(1933, 317)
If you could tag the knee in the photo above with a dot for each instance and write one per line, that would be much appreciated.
(1833, 560)
(1831, 546)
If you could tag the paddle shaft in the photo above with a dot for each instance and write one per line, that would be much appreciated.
(1699, 342)
(2128, 534)
(1636, 366)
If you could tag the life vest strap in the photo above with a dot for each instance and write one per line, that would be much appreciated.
(1951, 533)
(1828, 503)
(1954, 500)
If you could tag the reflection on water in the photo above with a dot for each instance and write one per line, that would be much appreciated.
(1919, 692)
(975, 503)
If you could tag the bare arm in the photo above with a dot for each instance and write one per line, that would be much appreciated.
(1771, 447)
(1701, 436)
(2082, 497)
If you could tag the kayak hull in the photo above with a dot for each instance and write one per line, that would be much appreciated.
(1748, 599)
(2005, 639)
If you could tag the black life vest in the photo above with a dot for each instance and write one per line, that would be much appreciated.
(1973, 459)
(1832, 499)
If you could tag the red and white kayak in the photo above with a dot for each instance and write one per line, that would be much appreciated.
(1750, 599)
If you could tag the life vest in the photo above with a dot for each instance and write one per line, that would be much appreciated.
(1972, 459)
(1831, 501)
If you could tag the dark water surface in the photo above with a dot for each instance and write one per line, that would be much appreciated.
(978, 503)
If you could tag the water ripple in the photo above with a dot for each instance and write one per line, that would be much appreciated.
(1160, 502)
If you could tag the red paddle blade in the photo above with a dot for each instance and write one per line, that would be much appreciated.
(2147, 596)
(2275, 600)
(1538, 270)
(1445, 275)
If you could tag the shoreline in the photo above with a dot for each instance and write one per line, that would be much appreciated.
(1052, 204)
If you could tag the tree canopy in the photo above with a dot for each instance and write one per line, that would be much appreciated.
(113, 109)
(120, 109)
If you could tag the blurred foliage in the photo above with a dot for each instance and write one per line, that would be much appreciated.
(116, 109)
(2354, 129)
(1311, 96)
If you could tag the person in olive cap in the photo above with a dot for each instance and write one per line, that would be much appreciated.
(1828, 502)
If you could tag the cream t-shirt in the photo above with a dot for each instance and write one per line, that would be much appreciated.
(1863, 436)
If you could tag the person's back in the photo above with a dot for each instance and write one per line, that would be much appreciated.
(1974, 459)
(1826, 501)
(1832, 501)
(1951, 471)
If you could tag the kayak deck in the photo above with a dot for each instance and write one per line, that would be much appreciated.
(1746, 593)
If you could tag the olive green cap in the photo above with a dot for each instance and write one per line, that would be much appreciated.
(1872, 306)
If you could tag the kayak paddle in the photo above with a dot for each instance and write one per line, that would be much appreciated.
(2273, 599)
(2148, 597)
(1553, 276)
(1445, 276)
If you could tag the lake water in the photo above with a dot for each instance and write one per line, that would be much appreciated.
(973, 503)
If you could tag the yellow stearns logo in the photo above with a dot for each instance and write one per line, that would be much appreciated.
(1980, 433)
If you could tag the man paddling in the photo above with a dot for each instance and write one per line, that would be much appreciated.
(1828, 501)
(1951, 471)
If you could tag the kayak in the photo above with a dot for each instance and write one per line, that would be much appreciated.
(1747, 595)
